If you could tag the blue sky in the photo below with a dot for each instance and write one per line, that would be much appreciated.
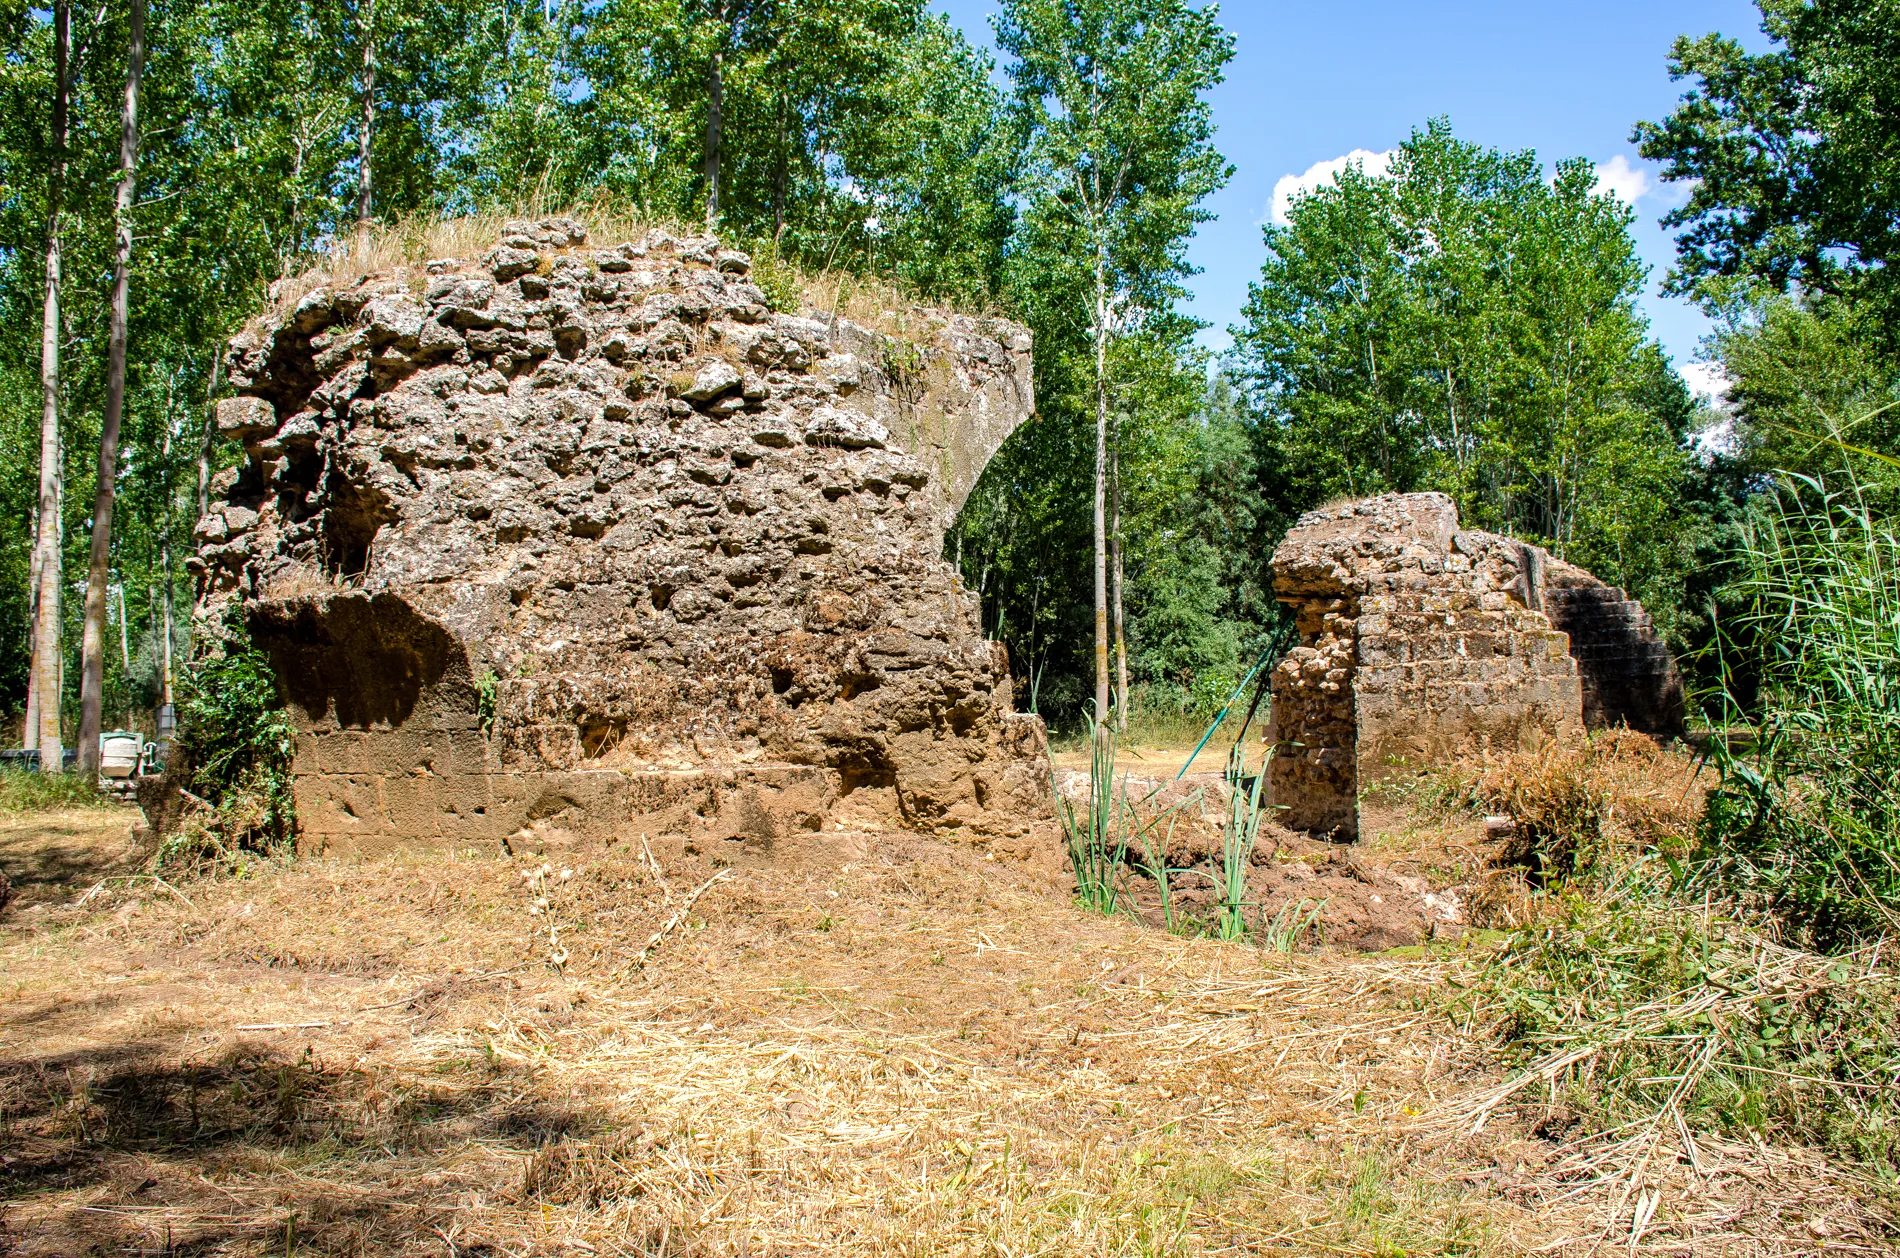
(1312, 82)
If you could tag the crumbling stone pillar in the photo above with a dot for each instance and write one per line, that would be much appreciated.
(1420, 640)
(586, 535)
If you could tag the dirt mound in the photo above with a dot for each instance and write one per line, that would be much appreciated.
(1354, 900)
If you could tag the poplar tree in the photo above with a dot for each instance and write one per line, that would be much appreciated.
(1113, 97)
(46, 564)
(92, 665)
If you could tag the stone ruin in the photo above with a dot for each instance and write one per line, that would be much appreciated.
(1420, 640)
(582, 538)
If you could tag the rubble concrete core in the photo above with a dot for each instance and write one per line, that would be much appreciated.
(582, 538)
(1421, 641)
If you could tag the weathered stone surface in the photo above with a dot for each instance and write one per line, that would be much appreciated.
(1421, 640)
(243, 417)
(1629, 675)
(543, 539)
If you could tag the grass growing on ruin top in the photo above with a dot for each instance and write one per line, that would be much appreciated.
(410, 243)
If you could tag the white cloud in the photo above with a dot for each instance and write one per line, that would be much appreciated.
(1628, 183)
(1720, 440)
(1318, 174)
(1706, 380)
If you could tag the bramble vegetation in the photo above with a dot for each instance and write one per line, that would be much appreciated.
(1641, 1011)
(233, 755)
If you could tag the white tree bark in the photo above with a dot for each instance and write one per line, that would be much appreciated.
(46, 644)
(92, 646)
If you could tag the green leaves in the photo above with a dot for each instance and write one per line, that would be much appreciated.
(236, 740)
(1794, 175)
(1112, 94)
(1466, 325)
(1806, 818)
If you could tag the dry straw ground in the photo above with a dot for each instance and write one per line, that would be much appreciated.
(904, 1049)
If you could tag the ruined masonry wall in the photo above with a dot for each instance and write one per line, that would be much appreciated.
(1420, 640)
(1629, 675)
(583, 538)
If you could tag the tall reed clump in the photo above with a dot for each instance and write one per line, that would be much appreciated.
(1097, 836)
(1807, 816)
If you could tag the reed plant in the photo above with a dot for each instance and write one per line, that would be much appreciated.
(1097, 835)
(1294, 922)
(1155, 857)
(1245, 811)
(1807, 816)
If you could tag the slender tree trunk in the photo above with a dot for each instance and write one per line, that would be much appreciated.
(165, 645)
(715, 122)
(204, 442)
(46, 665)
(367, 135)
(779, 172)
(30, 728)
(1115, 552)
(165, 552)
(92, 654)
(288, 247)
(125, 633)
(1101, 496)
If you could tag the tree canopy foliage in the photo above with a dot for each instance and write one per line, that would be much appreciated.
(1463, 324)
(1791, 157)
(1466, 321)
(1792, 223)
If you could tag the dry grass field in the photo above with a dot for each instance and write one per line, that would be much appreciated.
(888, 1045)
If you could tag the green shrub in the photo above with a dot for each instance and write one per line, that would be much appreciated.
(487, 698)
(777, 278)
(235, 743)
(1807, 817)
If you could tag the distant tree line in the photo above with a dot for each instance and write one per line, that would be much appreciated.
(1466, 321)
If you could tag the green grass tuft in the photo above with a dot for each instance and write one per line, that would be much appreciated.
(22, 792)
(1639, 1012)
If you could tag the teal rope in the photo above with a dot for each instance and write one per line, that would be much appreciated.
(1276, 646)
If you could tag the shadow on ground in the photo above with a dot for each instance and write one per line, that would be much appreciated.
(217, 1147)
(55, 855)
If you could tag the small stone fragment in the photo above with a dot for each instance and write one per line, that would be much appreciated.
(241, 418)
(845, 429)
(710, 381)
(510, 263)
